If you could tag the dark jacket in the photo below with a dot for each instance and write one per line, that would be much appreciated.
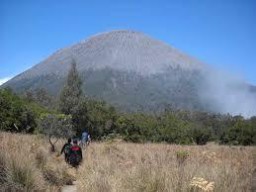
(64, 146)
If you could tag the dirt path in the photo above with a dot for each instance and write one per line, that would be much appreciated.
(69, 188)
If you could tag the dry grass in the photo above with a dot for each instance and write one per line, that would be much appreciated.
(160, 167)
(27, 165)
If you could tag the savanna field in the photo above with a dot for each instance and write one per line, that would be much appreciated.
(26, 164)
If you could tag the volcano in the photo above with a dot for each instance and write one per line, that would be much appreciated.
(128, 69)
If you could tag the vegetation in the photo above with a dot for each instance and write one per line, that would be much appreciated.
(114, 165)
(71, 101)
(15, 114)
(33, 114)
(55, 127)
(118, 166)
(149, 160)
(27, 165)
(104, 122)
(41, 97)
(72, 92)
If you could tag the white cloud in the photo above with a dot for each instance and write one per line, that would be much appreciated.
(3, 80)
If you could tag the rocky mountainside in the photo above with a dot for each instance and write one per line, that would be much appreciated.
(128, 69)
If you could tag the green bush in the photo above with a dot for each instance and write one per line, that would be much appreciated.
(15, 114)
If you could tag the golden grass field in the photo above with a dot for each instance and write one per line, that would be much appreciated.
(26, 164)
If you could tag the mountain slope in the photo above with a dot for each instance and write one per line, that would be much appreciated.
(120, 50)
(128, 69)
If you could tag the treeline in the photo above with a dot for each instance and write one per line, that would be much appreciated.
(37, 112)
(104, 122)
(184, 127)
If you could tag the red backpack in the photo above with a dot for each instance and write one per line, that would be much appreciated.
(75, 156)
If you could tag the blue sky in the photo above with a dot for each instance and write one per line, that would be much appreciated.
(218, 32)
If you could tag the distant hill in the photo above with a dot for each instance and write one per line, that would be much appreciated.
(127, 69)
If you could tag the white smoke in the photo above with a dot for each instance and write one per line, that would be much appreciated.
(227, 93)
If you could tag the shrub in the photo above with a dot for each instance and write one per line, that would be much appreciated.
(182, 156)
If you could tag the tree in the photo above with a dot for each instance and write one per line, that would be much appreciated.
(40, 96)
(55, 127)
(80, 116)
(15, 114)
(72, 92)
(201, 135)
(241, 132)
(70, 98)
(101, 118)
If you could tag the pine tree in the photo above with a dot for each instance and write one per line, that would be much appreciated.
(72, 101)
(72, 92)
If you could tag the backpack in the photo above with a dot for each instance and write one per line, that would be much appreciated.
(74, 157)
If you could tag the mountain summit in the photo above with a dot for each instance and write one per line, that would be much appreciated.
(119, 50)
(126, 68)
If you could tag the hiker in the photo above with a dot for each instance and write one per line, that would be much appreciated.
(86, 138)
(76, 156)
(66, 149)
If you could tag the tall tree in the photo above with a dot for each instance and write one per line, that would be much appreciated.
(72, 101)
(72, 91)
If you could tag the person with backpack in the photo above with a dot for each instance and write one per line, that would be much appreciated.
(85, 138)
(76, 156)
(66, 149)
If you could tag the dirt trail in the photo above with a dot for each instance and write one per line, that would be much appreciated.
(69, 188)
